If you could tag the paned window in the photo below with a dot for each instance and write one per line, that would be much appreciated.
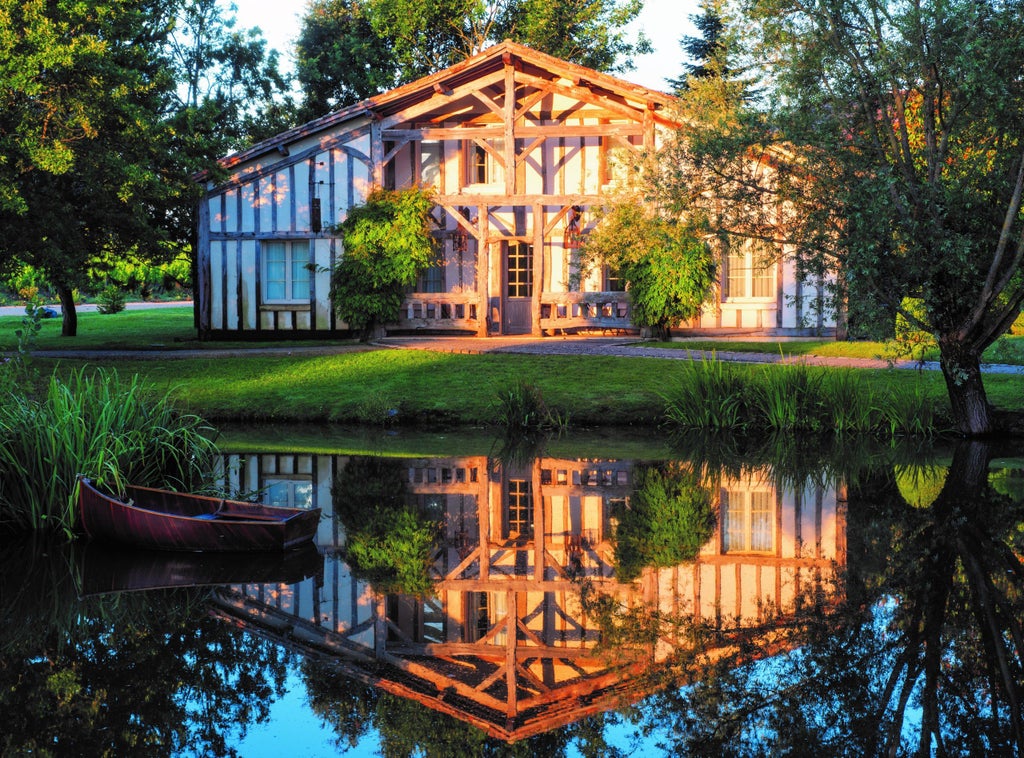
(748, 521)
(285, 271)
(520, 508)
(520, 270)
(751, 272)
(289, 493)
(484, 167)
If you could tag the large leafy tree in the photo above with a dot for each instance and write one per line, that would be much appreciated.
(109, 188)
(106, 114)
(890, 156)
(349, 50)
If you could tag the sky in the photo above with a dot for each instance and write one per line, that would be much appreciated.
(664, 22)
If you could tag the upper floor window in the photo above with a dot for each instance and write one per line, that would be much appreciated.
(484, 166)
(750, 271)
(285, 271)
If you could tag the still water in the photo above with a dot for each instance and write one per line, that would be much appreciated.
(570, 597)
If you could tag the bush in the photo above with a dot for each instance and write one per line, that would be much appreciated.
(114, 431)
(112, 300)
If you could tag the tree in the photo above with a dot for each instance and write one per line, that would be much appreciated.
(890, 157)
(387, 245)
(349, 50)
(668, 270)
(114, 188)
(705, 52)
(98, 139)
(231, 90)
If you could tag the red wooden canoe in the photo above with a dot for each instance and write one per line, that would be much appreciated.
(165, 520)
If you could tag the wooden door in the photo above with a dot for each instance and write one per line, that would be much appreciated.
(518, 290)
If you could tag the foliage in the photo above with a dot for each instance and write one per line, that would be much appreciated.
(668, 270)
(891, 139)
(102, 148)
(668, 519)
(705, 52)
(387, 244)
(388, 541)
(522, 411)
(112, 300)
(94, 423)
(349, 50)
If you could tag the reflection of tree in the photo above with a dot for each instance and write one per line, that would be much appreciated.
(927, 658)
(148, 674)
(668, 519)
(388, 540)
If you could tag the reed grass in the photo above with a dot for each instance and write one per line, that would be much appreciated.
(788, 397)
(710, 394)
(522, 410)
(95, 423)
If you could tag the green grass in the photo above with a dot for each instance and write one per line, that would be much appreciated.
(426, 387)
(1009, 349)
(158, 328)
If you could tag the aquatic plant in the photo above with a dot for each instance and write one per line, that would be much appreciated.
(110, 429)
(709, 394)
(521, 409)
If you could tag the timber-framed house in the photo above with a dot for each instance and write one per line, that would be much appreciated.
(518, 148)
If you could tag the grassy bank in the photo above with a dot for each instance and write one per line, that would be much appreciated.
(425, 388)
(428, 388)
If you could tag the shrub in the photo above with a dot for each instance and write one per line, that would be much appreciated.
(112, 430)
(111, 300)
(668, 519)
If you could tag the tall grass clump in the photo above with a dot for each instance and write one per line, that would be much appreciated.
(851, 407)
(709, 394)
(788, 397)
(522, 410)
(110, 429)
(908, 412)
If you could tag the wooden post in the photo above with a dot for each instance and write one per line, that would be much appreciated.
(538, 267)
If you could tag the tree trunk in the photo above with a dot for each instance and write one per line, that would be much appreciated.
(961, 368)
(69, 322)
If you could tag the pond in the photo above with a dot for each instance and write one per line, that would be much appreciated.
(596, 596)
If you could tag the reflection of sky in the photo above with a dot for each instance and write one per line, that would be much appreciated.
(294, 730)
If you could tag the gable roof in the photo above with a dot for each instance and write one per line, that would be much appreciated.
(491, 60)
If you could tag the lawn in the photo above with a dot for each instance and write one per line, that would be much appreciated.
(423, 387)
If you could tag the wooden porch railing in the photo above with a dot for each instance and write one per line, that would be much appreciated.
(584, 310)
(441, 310)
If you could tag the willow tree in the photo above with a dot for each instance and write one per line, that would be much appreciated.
(893, 137)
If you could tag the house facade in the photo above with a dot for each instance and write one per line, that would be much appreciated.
(518, 148)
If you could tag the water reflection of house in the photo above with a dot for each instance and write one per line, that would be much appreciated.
(504, 642)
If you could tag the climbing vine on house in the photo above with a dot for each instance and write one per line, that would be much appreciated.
(387, 245)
